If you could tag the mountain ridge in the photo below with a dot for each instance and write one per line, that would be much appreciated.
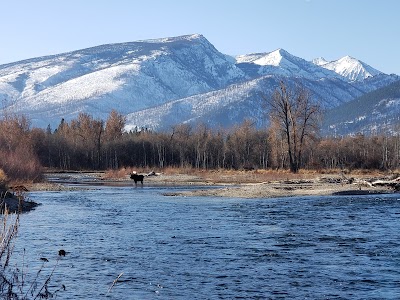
(147, 76)
(134, 74)
(280, 62)
(371, 113)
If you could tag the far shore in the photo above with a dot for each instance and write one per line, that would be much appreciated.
(233, 184)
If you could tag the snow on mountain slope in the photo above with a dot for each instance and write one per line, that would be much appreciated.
(201, 108)
(351, 68)
(373, 113)
(235, 103)
(282, 63)
(249, 58)
(372, 83)
(127, 77)
(163, 82)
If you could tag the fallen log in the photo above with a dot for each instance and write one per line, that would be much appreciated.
(393, 184)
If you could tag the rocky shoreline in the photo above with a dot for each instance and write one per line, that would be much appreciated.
(235, 185)
(15, 204)
(278, 190)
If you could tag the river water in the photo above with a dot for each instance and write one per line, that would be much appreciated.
(338, 247)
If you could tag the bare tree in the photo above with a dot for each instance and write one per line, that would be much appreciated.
(180, 140)
(114, 126)
(113, 134)
(87, 133)
(297, 116)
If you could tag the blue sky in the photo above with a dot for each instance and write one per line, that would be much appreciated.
(365, 29)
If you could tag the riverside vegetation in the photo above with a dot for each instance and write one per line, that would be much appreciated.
(89, 144)
(291, 142)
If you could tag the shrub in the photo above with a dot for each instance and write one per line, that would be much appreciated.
(20, 166)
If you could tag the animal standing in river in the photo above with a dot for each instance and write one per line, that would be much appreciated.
(137, 178)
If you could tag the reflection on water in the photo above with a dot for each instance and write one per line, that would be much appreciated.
(216, 248)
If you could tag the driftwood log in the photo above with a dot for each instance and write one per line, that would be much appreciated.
(393, 184)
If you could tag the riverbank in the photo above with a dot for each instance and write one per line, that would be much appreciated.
(285, 189)
(283, 184)
(241, 184)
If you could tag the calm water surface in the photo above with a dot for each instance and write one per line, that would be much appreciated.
(215, 248)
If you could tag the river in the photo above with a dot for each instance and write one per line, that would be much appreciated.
(338, 247)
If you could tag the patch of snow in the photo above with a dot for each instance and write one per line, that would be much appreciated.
(361, 118)
(388, 103)
(247, 58)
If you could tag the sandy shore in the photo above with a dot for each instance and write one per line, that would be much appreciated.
(277, 190)
(239, 184)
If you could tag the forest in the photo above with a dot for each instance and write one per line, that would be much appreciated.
(86, 143)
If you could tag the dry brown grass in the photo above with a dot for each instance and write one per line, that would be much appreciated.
(183, 170)
(233, 176)
(116, 174)
(262, 175)
(240, 176)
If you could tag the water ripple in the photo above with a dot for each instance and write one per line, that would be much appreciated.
(215, 248)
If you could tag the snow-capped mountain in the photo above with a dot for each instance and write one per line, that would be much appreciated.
(282, 63)
(127, 77)
(319, 61)
(161, 82)
(348, 67)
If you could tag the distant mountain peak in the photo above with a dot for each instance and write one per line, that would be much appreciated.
(282, 52)
(348, 59)
(265, 59)
(319, 61)
(351, 68)
(273, 58)
(281, 62)
(248, 58)
(188, 37)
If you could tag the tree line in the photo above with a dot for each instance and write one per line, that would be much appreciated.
(290, 142)
(89, 144)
